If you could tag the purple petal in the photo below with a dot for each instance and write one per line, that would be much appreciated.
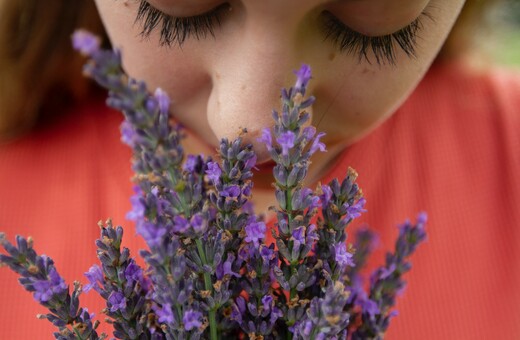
(85, 42)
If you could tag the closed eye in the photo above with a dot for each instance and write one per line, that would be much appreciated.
(382, 48)
(176, 30)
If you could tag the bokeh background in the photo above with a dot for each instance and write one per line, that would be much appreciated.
(503, 44)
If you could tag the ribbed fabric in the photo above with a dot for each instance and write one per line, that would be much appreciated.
(452, 150)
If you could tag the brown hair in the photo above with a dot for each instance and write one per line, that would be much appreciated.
(39, 72)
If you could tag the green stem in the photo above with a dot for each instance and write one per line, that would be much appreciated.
(288, 204)
(208, 286)
(213, 324)
(77, 333)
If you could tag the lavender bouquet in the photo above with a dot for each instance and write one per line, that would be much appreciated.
(210, 272)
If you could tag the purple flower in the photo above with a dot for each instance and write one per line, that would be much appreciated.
(360, 298)
(303, 76)
(190, 164)
(385, 273)
(191, 319)
(286, 141)
(255, 231)
(266, 138)
(304, 199)
(180, 224)
(226, 267)
(213, 172)
(85, 317)
(308, 133)
(275, 315)
(138, 208)
(315, 202)
(117, 302)
(307, 328)
(248, 207)
(368, 306)
(422, 218)
(312, 234)
(316, 144)
(267, 302)
(134, 273)
(250, 163)
(85, 42)
(267, 254)
(46, 289)
(322, 336)
(326, 196)
(150, 232)
(163, 100)
(94, 276)
(342, 256)
(128, 135)
(246, 189)
(355, 210)
(165, 314)
(198, 223)
(230, 191)
(237, 309)
(244, 252)
(151, 104)
(298, 235)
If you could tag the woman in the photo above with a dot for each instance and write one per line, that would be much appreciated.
(450, 147)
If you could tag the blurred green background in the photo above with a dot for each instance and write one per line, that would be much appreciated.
(504, 46)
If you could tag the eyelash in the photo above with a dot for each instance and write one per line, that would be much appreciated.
(175, 30)
(383, 47)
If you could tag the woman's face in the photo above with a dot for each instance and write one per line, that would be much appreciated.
(223, 63)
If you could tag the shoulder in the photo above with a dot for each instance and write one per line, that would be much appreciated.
(492, 90)
(504, 91)
(465, 101)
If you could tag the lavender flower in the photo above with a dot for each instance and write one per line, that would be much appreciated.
(303, 76)
(286, 141)
(38, 275)
(230, 191)
(317, 145)
(326, 318)
(117, 302)
(342, 256)
(162, 100)
(255, 232)
(95, 277)
(191, 163)
(386, 282)
(46, 289)
(266, 138)
(213, 172)
(192, 319)
(210, 273)
(85, 42)
(355, 210)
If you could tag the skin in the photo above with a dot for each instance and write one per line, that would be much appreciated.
(221, 84)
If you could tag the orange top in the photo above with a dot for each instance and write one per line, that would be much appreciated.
(452, 150)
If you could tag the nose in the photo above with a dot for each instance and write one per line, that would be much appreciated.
(246, 83)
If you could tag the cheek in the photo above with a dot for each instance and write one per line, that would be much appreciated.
(183, 78)
(179, 72)
(354, 102)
